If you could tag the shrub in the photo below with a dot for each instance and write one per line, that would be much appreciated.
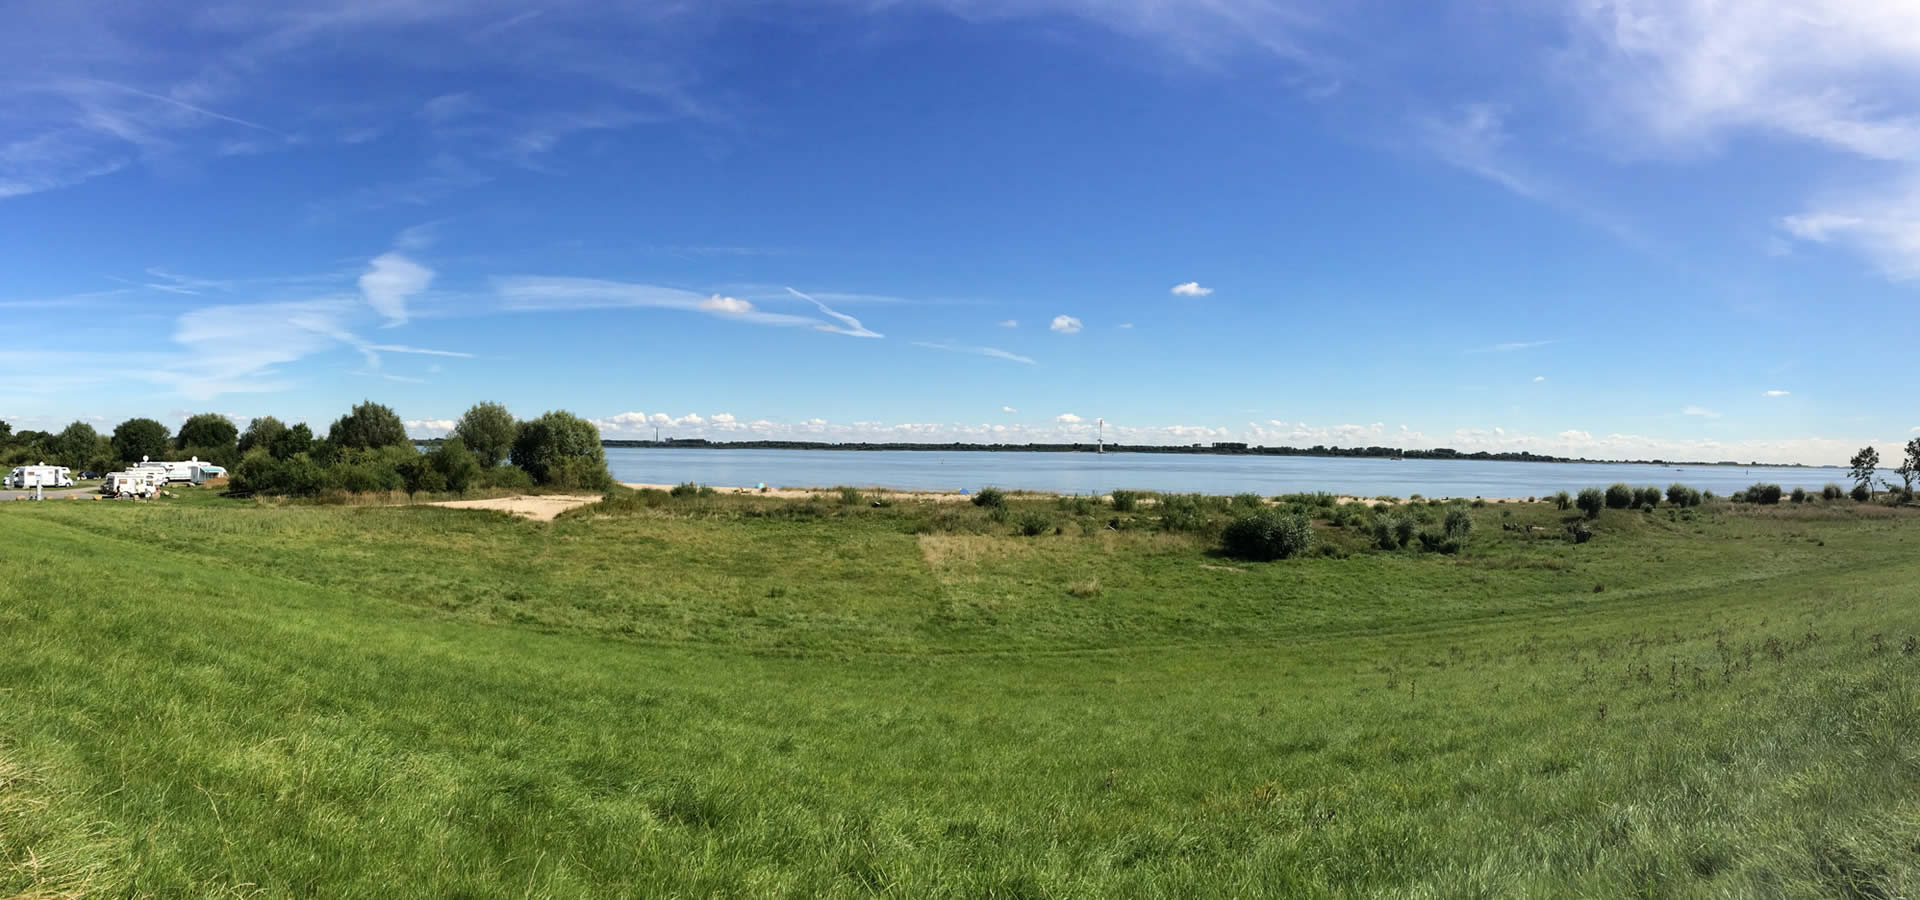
(1579, 532)
(1125, 501)
(1738, 497)
(1832, 492)
(1458, 524)
(1861, 493)
(1438, 543)
(1478, 503)
(1677, 494)
(563, 450)
(990, 497)
(1765, 493)
(1707, 495)
(1648, 497)
(1248, 502)
(689, 489)
(1562, 501)
(849, 495)
(510, 478)
(1077, 506)
(457, 468)
(1268, 534)
(1591, 501)
(1799, 495)
(1033, 523)
(1619, 496)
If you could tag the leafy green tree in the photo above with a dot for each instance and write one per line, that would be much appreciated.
(260, 433)
(290, 442)
(1591, 501)
(138, 438)
(560, 448)
(369, 425)
(1909, 468)
(74, 446)
(6, 434)
(210, 431)
(1863, 464)
(488, 431)
(458, 469)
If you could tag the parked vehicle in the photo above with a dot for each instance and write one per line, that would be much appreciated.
(135, 482)
(193, 471)
(48, 476)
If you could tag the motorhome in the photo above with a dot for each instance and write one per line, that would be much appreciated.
(193, 471)
(135, 482)
(44, 475)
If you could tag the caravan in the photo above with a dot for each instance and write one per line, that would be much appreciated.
(42, 475)
(140, 481)
(193, 471)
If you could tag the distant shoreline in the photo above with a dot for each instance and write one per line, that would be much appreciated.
(1215, 449)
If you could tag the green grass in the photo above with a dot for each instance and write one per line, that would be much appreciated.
(751, 697)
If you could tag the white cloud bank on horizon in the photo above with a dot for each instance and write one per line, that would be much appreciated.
(1071, 428)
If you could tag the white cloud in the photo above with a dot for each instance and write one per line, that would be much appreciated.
(724, 305)
(1700, 411)
(1010, 323)
(1778, 393)
(849, 325)
(1124, 325)
(1511, 346)
(994, 352)
(1065, 325)
(1009, 409)
(1067, 419)
(419, 429)
(1882, 223)
(389, 281)
(1537, 379)
(1191, 289)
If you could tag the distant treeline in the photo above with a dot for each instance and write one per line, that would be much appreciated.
(1221, 448)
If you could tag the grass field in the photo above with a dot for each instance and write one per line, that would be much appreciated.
(734, 696)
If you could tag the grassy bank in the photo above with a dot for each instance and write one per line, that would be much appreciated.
(738, 696)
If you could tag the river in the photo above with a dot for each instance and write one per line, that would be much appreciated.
(1084, 473)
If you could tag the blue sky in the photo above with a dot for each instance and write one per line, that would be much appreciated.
(1612, 229)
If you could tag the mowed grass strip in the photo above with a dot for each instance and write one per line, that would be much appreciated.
(209, 701)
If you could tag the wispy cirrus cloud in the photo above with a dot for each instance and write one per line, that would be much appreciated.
(529, 293)
(1511, 346)
(1700, 411)
(994, 352)
(1777, 393)
(849, 325)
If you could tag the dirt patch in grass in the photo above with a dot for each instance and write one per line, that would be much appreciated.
(540, 509)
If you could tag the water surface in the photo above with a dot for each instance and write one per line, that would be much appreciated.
(1082, 473)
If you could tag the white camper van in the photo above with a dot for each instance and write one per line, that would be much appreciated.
(193, 471)
(135, 482)
(47, 476)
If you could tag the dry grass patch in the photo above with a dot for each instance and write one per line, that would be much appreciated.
(948, 551)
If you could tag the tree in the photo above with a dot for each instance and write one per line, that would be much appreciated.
(74, 446)
(458, 469)
(488, 430)
(562, 449)
(1863, 464)
(290, 442)
(136, 439)
(1909, 467)
(6, 434)
(260, 433)
(369, 425)
(209, 431)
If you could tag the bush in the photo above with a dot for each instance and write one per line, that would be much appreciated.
(1799, 495)
(1077, 506)
(684, 489)
(1591, 501)
(458, 469)
(1562, 500)
(1579, 532)
(1268, 534)
(1125, 501)
(563, 450)
(1248, 502)
(1677, 494)
(1861, 493)
(1458, 524)
(508, 478)
(1648, 497)
(1832, 492)
(849, 496)
(1739, 497)
(1764, 493)
(1619, 496)
(1033, 524)
(990, 497)
(1439, 543)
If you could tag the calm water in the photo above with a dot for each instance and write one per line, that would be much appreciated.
(1089, 473)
